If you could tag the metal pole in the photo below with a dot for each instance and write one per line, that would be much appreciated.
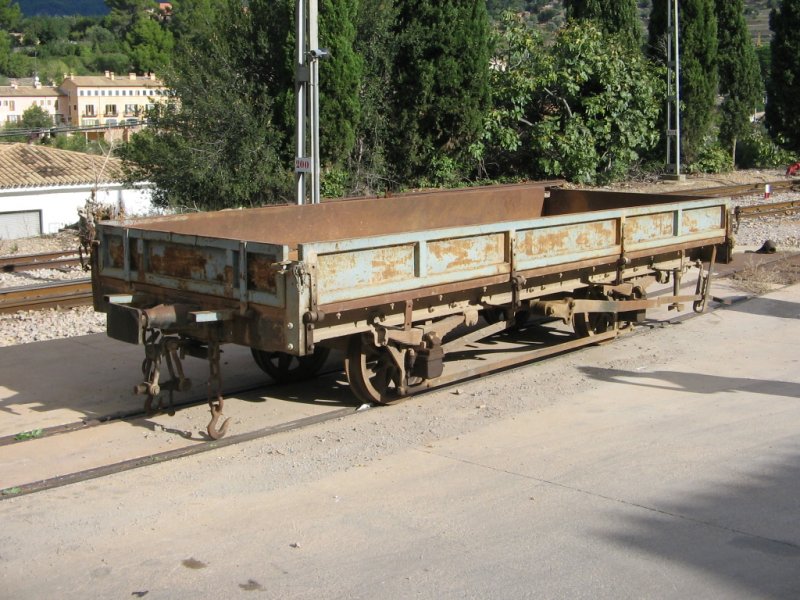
(313, 43)
(673, 93)
(677, 94)
(301, 80)
(669, 84)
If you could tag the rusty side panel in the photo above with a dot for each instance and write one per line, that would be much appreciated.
(360, 269)
(446, 256)
(260, 272)
(657, 226)
(565, 242)
(185, 262)
(568, 202)
(698, 220)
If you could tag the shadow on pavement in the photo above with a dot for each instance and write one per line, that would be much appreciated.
(767, 307)
(746, 533)
(698, 383)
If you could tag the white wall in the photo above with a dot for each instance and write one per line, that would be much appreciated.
(59, 205)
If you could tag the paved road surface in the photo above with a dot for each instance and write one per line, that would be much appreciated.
(665, 465)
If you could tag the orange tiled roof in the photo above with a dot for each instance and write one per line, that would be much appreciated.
(24, 165)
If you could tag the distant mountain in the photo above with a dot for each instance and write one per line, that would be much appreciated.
(32, 8)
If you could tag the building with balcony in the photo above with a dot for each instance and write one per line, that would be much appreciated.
(103, 100)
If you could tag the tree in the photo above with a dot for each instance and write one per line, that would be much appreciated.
(150, 45)
(340, 80)
(440, 86)
(125, 13)
(36, 117)
(618, 17)
(374, 43)
(585, 108)
(783, 93)
(219, 145)
(698, 56)
(10, 15)
(739, 75)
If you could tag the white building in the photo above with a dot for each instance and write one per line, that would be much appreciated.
(42, 188)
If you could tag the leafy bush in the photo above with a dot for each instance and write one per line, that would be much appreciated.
(711, 158)
(758, 151)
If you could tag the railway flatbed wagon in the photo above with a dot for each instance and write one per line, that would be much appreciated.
(395, 283)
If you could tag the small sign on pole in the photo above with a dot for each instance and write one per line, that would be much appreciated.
(302, 165)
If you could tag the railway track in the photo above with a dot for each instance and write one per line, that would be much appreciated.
(334, 413)
(44, 260)
(63, 294)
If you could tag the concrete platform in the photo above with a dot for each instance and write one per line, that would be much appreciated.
(665, 465)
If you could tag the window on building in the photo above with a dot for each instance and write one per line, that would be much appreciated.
(89, 112)
(12, 105)
(97, 92)
(13, 118)
(111, 110)
(116, 92)
(131, 109)
(82, 92)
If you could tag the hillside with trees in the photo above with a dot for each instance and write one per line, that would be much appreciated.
(424, 92)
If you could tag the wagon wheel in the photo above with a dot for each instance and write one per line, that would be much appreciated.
(287, 368)
(371, 372)
(588, 324)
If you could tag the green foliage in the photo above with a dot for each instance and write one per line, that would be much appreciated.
(617, 17)
(368, 164)
(440, 81)
(28, 435)
(699, 77)
(757, 150)
(739, 76)
(584, 108)
(340, 80)
(334, 183)
(10, 15)
(219, 146)
(150, 46)
(78, 143)
(783, 94)
(711, 158)
(36, 117)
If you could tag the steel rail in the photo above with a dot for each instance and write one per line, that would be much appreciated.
(42, 260)
(759, 210)
(76, 292)
(734, 191)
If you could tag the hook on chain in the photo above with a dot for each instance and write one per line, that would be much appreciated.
(215, 400)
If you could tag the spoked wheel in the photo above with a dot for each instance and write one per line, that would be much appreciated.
(286, 368)
(371, 372)
(593, 323)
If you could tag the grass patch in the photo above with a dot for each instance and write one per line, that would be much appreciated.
(28, 435)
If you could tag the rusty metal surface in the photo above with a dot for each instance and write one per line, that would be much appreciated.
(50, 295)
(291, 224)
(460, 241)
